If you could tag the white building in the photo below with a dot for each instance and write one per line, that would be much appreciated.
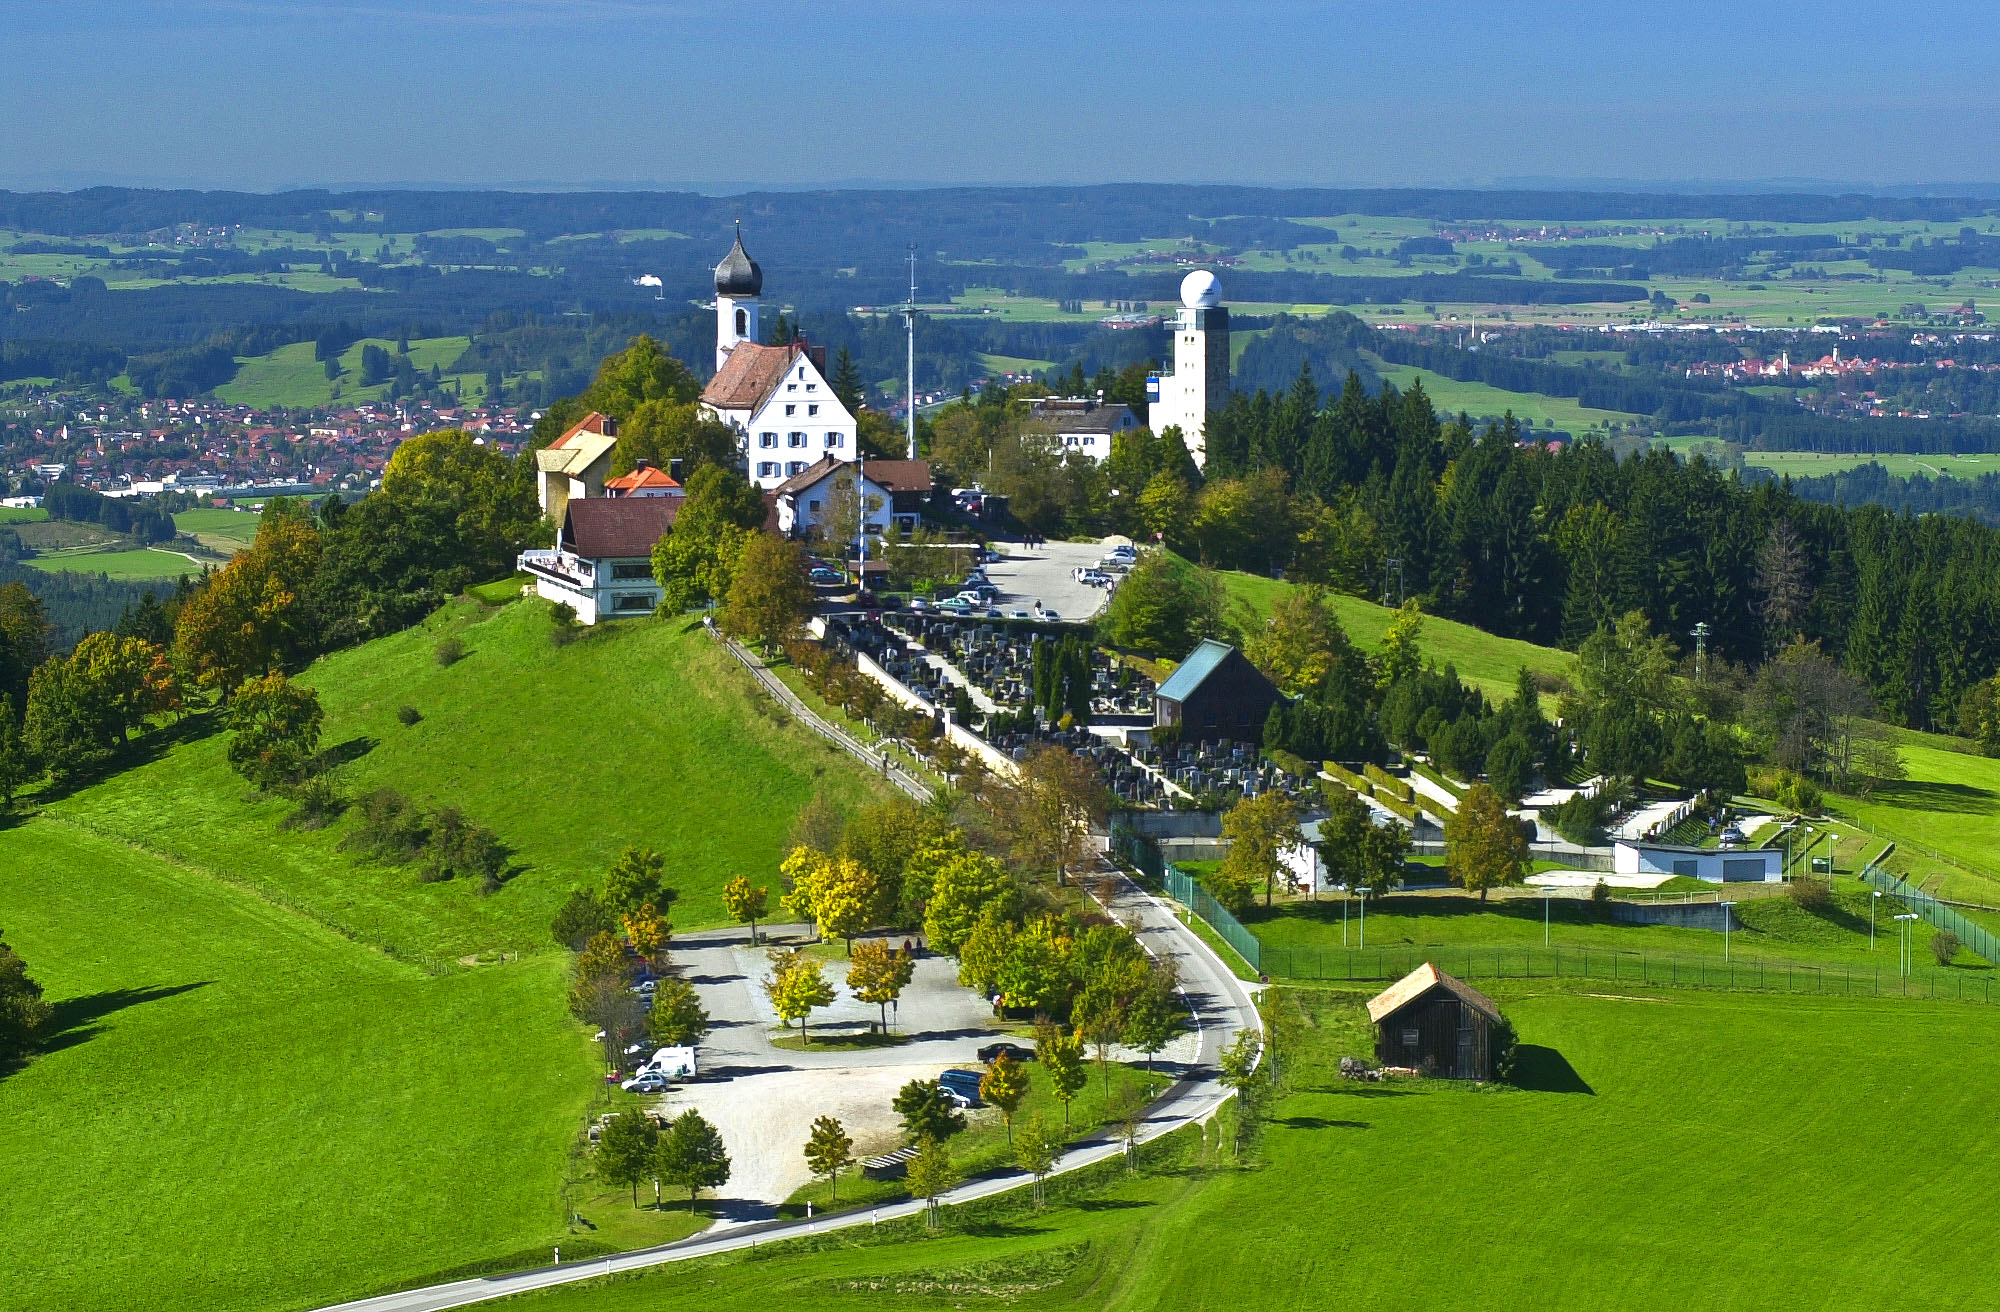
(575, 465)
(896, 491)
(1717, 865)
(777, 398)
(1199, 385)
(602, 563)
(1082, 424)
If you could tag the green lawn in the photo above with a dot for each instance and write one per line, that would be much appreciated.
(248, 1111)
(226, 531)
(290, 376)
(1949, 805)
(641, 731)
(1483, 660)
(22, 514)
(142, 563)
(1675, 1150)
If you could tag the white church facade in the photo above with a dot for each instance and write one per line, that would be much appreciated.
(777, 398)
(1199, 384)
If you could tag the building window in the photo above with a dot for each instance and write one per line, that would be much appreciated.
(632, 569)
(812, 505)
(767, 439)
(791, 387)
(742, 323)
(796, 467)
(791, 410)
(810, 387)
(767, 469)
(633, 601)
(796, 439)
(811, 409)
(832, 441)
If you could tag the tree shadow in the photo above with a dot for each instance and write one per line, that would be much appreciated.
(1110, 1204)
(147, 747)
(1927, 795)
(1544, 1070)
(75, 1020)
(331, 758)
(1322, 1123)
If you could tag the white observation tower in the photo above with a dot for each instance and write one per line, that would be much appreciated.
(1199, 383)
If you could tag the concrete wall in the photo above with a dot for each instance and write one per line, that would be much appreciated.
(1173, 824)
(996, 761)
(1686, 915)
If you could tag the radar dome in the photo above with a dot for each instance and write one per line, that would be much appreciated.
(1200, 290)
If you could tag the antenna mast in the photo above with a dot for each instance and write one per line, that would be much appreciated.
(910, 318)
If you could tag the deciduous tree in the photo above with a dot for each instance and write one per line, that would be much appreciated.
(745, 903)
(1259, 830)
(690, 1154)
(1060, 1056)
(24, 1017)
(879, 973)
(1485, 847)
(961, 885)
(635, 879)
(1049, 808)
(1005, 1084)
(931, 1173)
(829, 1151)
(625, 1150)
(768, 593)
(796, 986)
(677, 1018)
(276, 726)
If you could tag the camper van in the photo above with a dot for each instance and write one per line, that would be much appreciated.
(670, 1063)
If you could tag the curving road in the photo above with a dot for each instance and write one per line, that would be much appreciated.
(1221, 1006)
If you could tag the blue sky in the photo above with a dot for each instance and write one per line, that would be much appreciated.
(270, 93)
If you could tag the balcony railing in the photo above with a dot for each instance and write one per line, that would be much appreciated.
(560, 566)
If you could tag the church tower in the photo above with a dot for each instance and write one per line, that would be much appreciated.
(1199, 385)
(738, 284)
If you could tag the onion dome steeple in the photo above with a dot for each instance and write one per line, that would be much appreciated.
(738, 275)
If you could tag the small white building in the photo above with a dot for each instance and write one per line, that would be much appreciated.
(1717, 865)
(1199, 385)
(777, 398)
(602, 563)
(1082, 424)
(896, 491)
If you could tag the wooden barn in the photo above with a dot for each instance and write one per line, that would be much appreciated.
(1216, 693)
(1436, 1024)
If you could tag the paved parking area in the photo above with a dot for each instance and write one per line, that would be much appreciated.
(1026, 576)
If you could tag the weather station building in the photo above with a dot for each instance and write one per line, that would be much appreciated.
(777, 398)
(1199, 385)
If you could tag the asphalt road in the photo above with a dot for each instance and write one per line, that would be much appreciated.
(1042, 573)
(1221, 1006)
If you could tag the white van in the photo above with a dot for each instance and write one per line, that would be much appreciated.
(671, 1063)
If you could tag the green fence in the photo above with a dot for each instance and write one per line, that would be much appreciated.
(1935, 913)
(1187, 890)
(1135, 849)
(1637, 968)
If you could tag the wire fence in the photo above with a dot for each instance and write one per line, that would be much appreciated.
(1634, 968)
(1937, 914)
(1184, 888)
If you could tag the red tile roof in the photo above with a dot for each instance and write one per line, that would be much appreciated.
(895, 475)
(651, 476)
(593, 422)
(617, 528)
(750, 374)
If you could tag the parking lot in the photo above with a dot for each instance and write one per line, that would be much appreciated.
(1043, 573)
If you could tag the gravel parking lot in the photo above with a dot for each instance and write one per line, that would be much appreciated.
(1042, 573)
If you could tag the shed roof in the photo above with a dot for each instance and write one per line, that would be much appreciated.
(617, 528)
(1421, 981)
(1194, 671)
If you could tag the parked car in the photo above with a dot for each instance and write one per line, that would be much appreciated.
(1015, 1052)
(971, 598)
(918, 603)
(1733, 837)
(821, 574)
(1018, 614)
(963, 1084)
(671, 1064)
(1114, 565)
(651, 1082)
(955, 606)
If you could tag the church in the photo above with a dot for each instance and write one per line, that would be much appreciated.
(777, 398)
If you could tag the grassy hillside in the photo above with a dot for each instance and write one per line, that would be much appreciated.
(139, 563)
(640, 732)
(1483, 660)
(290, 376)
(286, 1076)
(1949, 805)
(226, 531)
(248, 1111)
(1484, 401)
(1662, 1160)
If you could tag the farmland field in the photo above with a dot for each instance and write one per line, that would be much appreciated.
(22, 515)
(1482, 401)
(1655, 1148)
(141, 563)
(226, 531)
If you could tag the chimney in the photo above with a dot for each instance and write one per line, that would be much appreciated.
(674, 469)
(641, 463)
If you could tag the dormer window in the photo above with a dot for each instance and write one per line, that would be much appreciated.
(812, 387)
(791, 410)
(791, 387)
(810, 410)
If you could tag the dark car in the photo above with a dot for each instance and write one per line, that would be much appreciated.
(963, 1083)
(1015, 1052)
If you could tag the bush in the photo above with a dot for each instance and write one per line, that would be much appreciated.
(581, 919)
(1580, 819)
(566, 625)
(393, 828)
(1600, 894)
(319, 804)
(450, 652)
(409, 715)
(1944, 946)
(1810, 894)
(459, 847)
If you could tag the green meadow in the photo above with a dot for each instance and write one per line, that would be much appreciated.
(1669, 1150)
(139, 563)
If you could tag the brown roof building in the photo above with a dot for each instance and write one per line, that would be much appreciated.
(1432, 1022)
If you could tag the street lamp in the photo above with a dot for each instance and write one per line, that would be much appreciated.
(1905, 941)
(1548, 891)
(1727, 915)
(1871, 918)
(1362, 893)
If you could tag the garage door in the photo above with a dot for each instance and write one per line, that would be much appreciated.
(1741, 870)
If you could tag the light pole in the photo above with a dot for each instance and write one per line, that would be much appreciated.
(1548, 891)
(1346, 896)
(1727, 916)
(1871, 918)
(1362, 892)
(1905, 941)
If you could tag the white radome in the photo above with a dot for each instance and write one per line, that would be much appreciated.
(1200, 290)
